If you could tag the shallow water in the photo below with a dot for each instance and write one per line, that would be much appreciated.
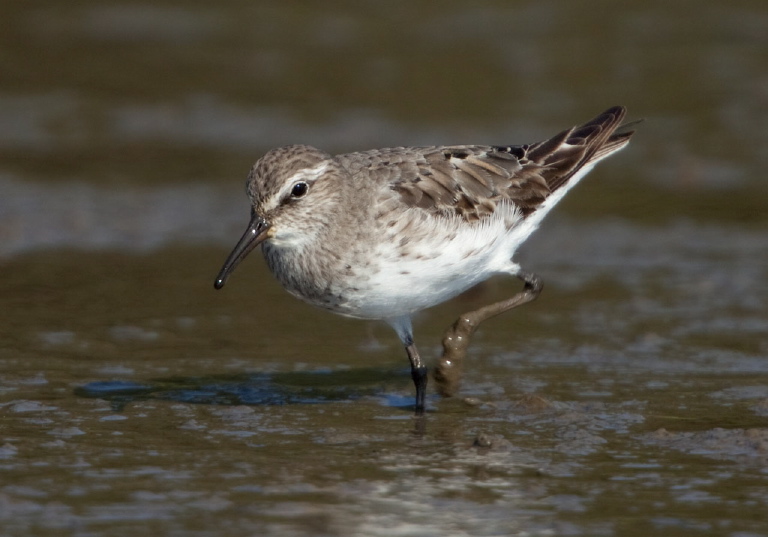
(630, 399)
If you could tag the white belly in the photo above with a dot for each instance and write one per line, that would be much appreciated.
(441, 259)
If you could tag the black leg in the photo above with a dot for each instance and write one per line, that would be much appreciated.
(456, 338)
(419, 376)
(402, 326)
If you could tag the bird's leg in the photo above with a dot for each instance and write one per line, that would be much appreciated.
(418, 374)
(402, 326)
(456, 338)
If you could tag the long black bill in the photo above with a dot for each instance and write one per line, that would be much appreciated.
(253, 236)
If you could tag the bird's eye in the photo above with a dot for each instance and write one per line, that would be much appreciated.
(299, 190)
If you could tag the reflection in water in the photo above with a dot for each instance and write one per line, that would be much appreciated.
(290, 388)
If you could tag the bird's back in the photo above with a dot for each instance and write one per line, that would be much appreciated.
(471, 180)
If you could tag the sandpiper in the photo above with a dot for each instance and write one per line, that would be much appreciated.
(383, 234)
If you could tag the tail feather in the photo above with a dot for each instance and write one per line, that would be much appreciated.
(582, 146)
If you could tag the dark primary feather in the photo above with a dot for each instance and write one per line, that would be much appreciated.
(470, 180)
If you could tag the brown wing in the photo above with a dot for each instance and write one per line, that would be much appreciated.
(471, 180)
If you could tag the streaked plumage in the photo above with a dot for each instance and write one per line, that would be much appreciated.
(385, 233)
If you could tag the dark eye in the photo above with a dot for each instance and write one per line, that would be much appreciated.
(299, 190)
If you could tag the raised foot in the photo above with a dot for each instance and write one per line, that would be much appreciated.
(449, 366)
(456, 339)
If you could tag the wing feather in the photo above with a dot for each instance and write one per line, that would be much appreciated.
(470, 181)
